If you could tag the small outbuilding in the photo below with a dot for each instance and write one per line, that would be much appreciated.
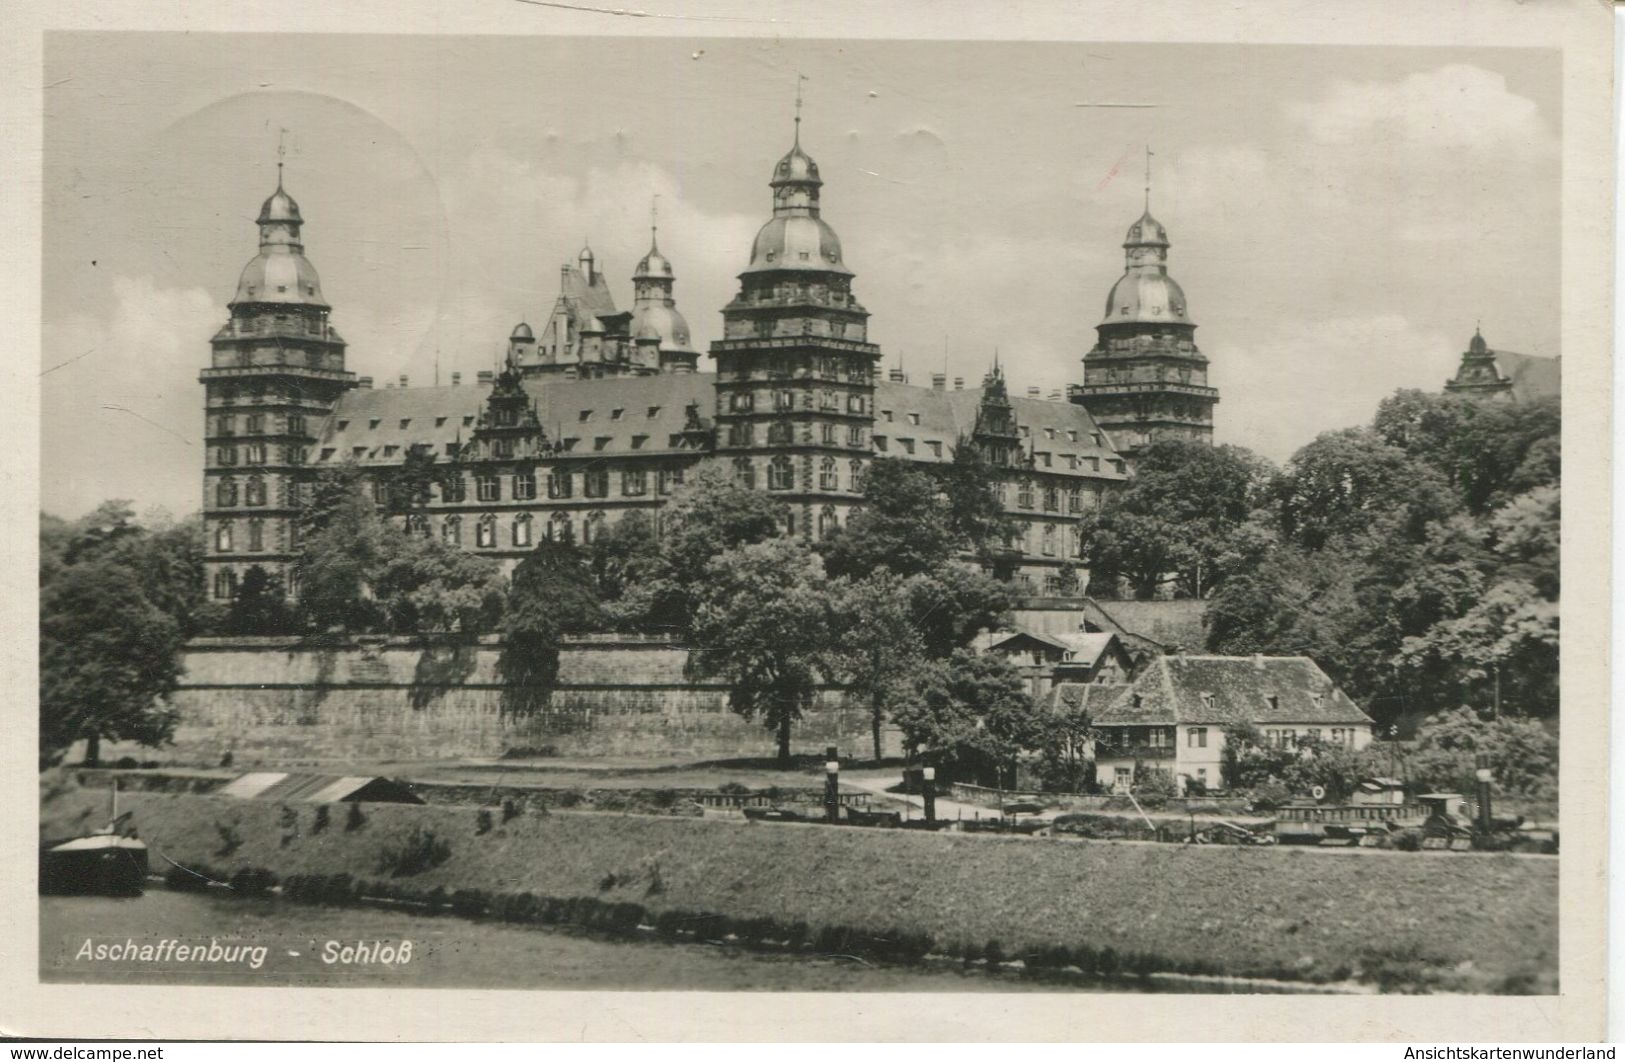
(320, 788)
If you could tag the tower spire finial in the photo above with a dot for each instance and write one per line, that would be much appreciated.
(654, 219)
(800, 77)
(1148, 178)
(281, 153)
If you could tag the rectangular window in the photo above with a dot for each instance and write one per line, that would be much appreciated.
(826, 432)
(502, 448)
(1074, 500)
(487, 488)
(485, 534)
(670, 479)
(1024, 495)
(256, 424)
(634, 482)
(559, 483)
(913, 418)
(595, 483)
(907, 444)
(854, 435)
(854, 403)
(1052, 499)
(255, 454)
(296, 424)
(741, 434)
(453, 489)
(1196, 737)
(256, 535)
(524, 486)
(880, 443)
(936, 448)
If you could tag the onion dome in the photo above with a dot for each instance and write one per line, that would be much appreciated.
(280, 273)
(522, 332)
(1146, 294)
(797, 167)
(1478, 346)
(653, 266)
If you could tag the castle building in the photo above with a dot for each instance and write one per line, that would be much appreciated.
(1145, 379)
(1505, 375)
(606, 412)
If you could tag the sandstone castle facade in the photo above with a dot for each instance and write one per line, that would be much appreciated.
(606, 411)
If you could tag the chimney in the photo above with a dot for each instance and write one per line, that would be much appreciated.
(403, 381)
(365, 381)
(1034, 392)
(457, 379)
(959, 383)
(939, 381)
(896, 376)
(485, 376)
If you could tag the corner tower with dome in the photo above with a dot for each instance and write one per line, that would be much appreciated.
(795, 381)
(276, 371)
(1145, 379)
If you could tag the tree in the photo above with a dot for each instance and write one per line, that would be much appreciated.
(550, 595)
(904, 526)
(876, 647)
(1352, 482)
(259, 607)
(763, 624)
(972, 713)
(625, 559)
(408, 485)
(109, 660)
(1522, 753)
(343, 543)
(708, 516)
(1486, 450)
(1178, 519)
(950, 604)
(422, 585)
(975, 515)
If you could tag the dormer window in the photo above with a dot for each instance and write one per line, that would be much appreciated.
(1274, 701)
(654, 411)
(343, 424)
(406, 422)
(615, 414)
(468, 422)
(1207, 701)
(584, 416)
(440, 422)
(372, 424)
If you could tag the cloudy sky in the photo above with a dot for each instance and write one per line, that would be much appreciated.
(1340, 217)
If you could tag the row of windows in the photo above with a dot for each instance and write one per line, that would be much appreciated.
(1049, 540)
(255, 424)
(784, 400)
(782, 433)
(1075, 499)
(254, 491)
(781, 474)
(254, 541)
(561, 483)
(1287, 738)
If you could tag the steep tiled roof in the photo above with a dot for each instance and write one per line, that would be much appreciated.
(1168, 623)
(623, 415)
(921, 416)
(1086, 697)
(1232, 689)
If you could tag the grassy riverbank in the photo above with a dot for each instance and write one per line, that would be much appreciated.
(1440, 921)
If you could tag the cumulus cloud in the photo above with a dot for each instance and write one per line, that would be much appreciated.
(1458, 107)
(114, 423)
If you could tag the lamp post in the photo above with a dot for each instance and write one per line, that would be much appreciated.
(928, 785)
(832, 786)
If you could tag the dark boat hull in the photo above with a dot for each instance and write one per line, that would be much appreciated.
(107, 870)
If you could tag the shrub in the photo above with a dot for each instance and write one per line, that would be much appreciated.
(470, 903)
(186, 879)
(993, 952)
(483, 821)
(733, 788)
(253, 881)
(1407, 841)
(420, 850)
(795, 934)
(510, 809)
(322, 819)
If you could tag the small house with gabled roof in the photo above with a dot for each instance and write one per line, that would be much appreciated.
(1046, 660)
(1173, 716)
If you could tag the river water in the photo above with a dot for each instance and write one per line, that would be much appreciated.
(269, 942)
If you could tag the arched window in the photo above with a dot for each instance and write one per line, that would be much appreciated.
(780, 474)
(827, 521)
(225, 492)
(417, 525)
(256, 491)
(828, 478)
(451, 531)
(560, 528)
(485, 533)
(222, 537)
(521, 530)
(745, 473)
(256, 534)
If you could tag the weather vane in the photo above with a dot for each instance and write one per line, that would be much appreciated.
(800, 77)
(1148, 178)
